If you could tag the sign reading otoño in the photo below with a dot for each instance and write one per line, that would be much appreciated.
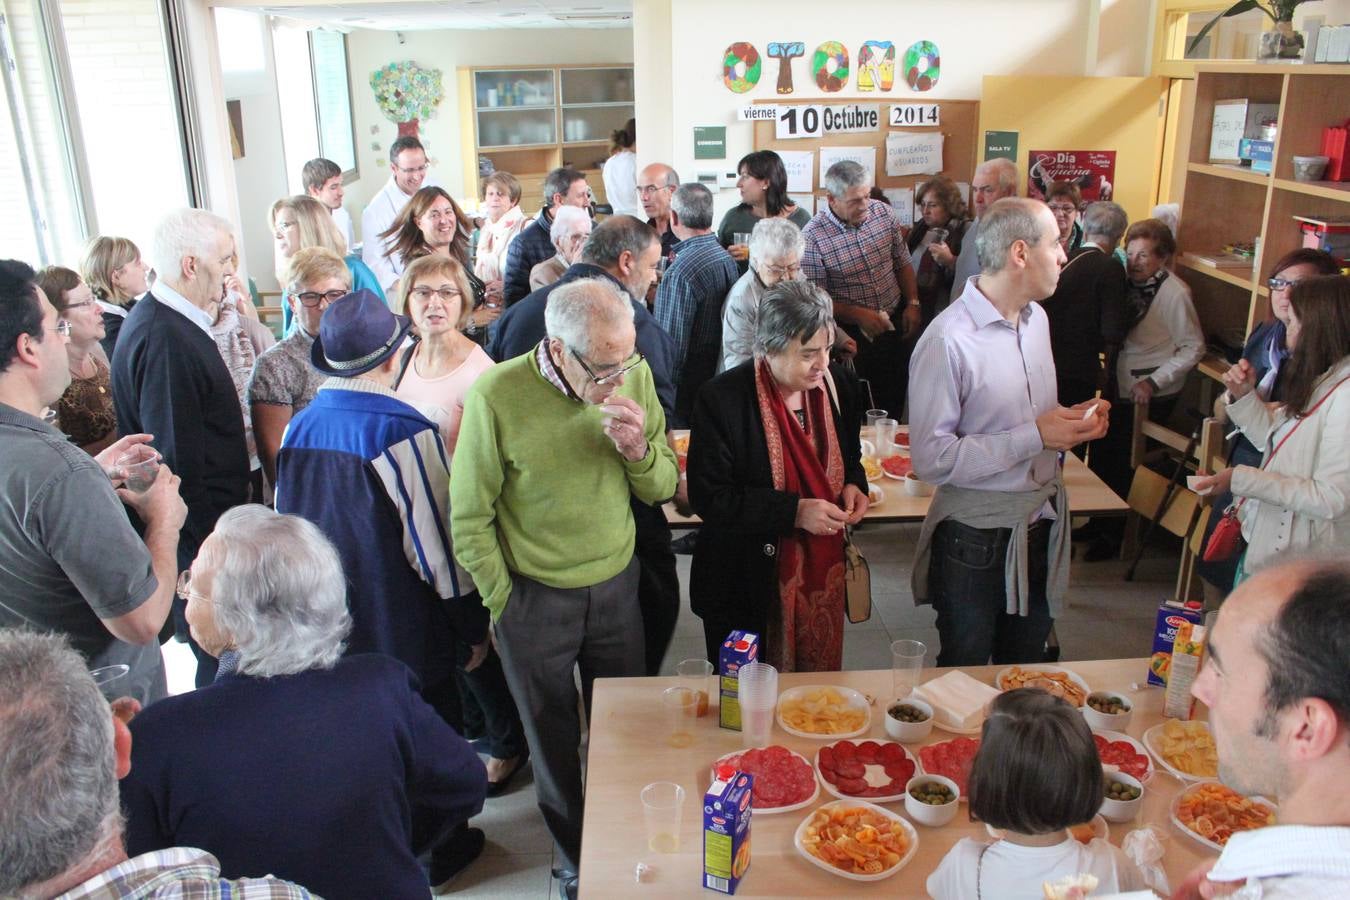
(815, 120)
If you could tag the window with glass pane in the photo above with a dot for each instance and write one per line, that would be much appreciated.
(332, 97)
(1234, 37)
(128, 116)
(295, 94)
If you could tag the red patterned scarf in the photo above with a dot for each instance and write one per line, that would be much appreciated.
(806, 630)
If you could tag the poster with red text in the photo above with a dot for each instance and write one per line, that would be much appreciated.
(1093, 171)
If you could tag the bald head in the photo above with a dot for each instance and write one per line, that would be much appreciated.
(655, 185)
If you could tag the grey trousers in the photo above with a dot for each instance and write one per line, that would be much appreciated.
(542, 634)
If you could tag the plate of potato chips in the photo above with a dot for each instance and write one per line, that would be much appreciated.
(1184, 749)
(823, 711)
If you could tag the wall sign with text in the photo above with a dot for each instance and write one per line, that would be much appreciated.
(816, 120)
(911, 115)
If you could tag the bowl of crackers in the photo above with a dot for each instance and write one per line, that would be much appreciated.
(823, 711)
(1056, 680)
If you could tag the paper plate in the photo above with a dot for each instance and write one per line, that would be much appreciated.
(774, 810)
(854, 699)
(888, 798)
(910, 833)
(1139, 748)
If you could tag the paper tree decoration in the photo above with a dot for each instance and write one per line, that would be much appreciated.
(406, 92)
(785, 52)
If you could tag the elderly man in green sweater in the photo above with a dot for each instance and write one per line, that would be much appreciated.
(551, 445)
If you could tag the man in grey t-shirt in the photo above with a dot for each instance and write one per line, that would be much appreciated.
(70, 562)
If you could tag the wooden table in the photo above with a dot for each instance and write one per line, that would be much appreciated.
(628, 751)
(1088, 495)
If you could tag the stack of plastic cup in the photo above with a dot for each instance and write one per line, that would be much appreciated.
(757, 692)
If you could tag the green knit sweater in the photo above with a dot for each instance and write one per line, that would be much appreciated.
(538, 488)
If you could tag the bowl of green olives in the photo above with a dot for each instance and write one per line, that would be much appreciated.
(1124, 796)
(932, 800)
(1107, 711)
(909, 720)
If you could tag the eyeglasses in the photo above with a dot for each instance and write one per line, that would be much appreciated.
(80, 305)
(445, 292)
(1062, 207)
(62, 328)
(184, 588)
(609, 377)
(1281, 284)
(311, 299)
(783, 271)
(649, 190)
(414, 171)
(985, 189)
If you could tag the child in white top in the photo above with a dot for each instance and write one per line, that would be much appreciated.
(1036, 774)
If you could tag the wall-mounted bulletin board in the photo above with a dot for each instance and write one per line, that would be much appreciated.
(867, 128)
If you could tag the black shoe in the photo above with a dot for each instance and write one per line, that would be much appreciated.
(497, 788)
(685, 544)
(1101, 549)
(454, 856)
(567, 884)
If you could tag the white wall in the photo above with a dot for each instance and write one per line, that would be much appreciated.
(975, 37)
(448, 50)
(250, 77)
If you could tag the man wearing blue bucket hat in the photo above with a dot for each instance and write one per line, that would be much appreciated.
(372, 473)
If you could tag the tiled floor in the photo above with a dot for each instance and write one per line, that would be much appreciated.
(1108, 618)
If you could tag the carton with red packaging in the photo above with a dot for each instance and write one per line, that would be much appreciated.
(740, 648)
(1171, 615)
(726, 829)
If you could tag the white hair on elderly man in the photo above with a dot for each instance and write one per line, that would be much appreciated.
(185, 232)
(58, 776)
(568, 220)
(578, 306)
(277, 591)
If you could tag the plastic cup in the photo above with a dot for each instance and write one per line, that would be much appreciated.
(662, 808)
(757, 692)
(885, 435)
(741, 237)
(694, 674)
(906, 662)
(138, 467)
(874, 416)
(681, 706)
(110, 679)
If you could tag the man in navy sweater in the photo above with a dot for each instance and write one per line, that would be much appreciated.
(562, 187)
(169, 380)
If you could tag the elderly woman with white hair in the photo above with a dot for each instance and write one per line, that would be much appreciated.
(571, 227)
(324, 769)
(775, 255)
(775, 472)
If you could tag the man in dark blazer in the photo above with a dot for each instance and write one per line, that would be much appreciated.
(562, 187)
(169, 380)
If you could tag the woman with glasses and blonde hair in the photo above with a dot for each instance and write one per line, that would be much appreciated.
(284, 380)
(436, 373)
(300, 222)
(85, 411)
(433, 224)
(113, 269)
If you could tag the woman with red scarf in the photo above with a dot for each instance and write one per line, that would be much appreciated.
(774, 471)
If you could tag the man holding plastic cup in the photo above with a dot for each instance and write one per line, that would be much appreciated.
(70, 561)
(551, 446)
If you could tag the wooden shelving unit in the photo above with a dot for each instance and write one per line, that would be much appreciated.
(531, 119)
(1224, 203)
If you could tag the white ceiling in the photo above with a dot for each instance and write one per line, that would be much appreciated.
(464, 14)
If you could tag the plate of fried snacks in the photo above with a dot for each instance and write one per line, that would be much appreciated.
(857, 840)
(821, 711)
(1055, 680)
(1184, 749)
(1212, 812)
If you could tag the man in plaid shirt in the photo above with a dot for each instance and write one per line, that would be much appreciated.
(60, 825)
(855, 251)
(690, 297)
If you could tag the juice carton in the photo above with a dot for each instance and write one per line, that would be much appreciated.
(726, 830)
(739, 648)
(1170, 617)
(1188, 652)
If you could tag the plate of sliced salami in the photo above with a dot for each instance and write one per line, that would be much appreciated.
(952, 759)
(1123, 753)
(784, 780)
(866, 770)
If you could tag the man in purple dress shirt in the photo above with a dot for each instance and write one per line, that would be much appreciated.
(987, 429)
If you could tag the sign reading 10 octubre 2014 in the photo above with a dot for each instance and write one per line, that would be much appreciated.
(795, 121)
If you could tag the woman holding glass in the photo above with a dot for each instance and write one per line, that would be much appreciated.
(935, 242)
(775, 473)
(433, 224)
(762, 181)
(85, 411)
(113, 269)
(1298, 499)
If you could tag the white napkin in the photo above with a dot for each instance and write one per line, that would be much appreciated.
(957, 699)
